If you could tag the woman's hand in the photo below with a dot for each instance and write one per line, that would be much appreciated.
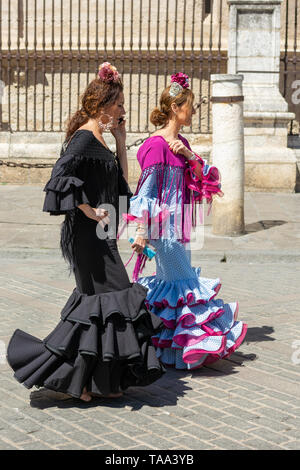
(139, 244)
(100, 215)
(140, 240)
(119, 132)
(219, 194)
(177, 146)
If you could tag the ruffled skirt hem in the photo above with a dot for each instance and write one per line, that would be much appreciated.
(198, 329)
(173, 294)
(102, 342)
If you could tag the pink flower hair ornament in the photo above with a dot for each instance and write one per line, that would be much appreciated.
(179, 81)
(108, 73)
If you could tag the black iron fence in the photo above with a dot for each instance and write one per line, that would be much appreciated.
(51, 49)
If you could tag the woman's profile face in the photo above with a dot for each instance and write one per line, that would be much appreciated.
(184, 114)
(116, 110)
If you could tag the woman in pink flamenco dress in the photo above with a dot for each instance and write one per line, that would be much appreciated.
(199, 328)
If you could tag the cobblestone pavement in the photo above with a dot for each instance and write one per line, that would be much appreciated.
(250, 401)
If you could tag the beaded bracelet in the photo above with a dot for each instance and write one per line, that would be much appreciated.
(141, 231)
(193, 157)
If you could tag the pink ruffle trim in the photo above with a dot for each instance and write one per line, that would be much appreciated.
(193, 356)
(181, 301)
(186, 320)
(146, 217)
(209, 183)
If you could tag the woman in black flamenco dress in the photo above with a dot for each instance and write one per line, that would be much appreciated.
(102, 343)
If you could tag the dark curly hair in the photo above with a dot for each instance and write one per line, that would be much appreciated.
(97, 94)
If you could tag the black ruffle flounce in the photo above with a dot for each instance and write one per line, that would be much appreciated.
(102, 342)
(64, 193)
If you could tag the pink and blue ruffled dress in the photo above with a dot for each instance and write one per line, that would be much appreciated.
(199, 328)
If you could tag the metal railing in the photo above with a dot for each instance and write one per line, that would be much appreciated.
(51, 49)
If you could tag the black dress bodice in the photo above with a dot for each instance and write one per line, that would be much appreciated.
(86, 173)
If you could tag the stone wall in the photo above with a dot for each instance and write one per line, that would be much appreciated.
(33, 147)
(133, 17)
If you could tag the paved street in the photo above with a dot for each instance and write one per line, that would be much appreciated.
(250, 401)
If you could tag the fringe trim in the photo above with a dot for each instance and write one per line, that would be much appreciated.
(67, 236)
(139, 266)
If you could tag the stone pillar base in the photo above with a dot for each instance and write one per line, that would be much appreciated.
(270, 170)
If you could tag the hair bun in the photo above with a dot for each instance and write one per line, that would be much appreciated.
(158, 117)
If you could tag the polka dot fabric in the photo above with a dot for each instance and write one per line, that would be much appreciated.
(199, 329)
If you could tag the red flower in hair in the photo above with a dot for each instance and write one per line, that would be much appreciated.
(108, 72)
(180, 78)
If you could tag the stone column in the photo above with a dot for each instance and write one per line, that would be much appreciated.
(228, 153)
(254, 51)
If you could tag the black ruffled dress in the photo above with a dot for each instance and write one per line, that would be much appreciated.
(103, 339)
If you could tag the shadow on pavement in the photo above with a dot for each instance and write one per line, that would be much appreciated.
(263, 225)
(259, 333)
(165, 391)
(237, 359)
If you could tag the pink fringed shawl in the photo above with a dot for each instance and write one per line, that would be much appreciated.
(199, 182)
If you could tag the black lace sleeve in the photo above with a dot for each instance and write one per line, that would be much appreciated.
(66, 190)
